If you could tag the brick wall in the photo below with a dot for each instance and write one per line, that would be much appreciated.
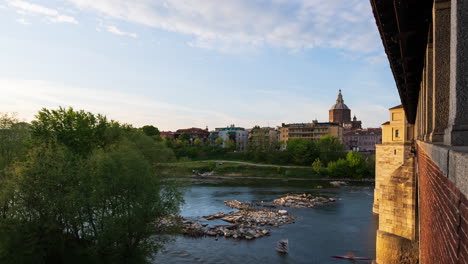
(443, 212)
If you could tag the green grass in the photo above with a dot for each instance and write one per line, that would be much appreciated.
(237, 170)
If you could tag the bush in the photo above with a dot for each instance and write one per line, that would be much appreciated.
(338, 169)
(317, 165)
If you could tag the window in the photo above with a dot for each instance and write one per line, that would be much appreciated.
(397, 133)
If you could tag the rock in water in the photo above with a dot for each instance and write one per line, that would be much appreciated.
(238, 205)
(301, 201)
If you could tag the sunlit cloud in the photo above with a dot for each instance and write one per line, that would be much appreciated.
(115, 30)
(212, 24)
(27, 8)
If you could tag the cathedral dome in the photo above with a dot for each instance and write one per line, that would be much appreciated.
(339, 103)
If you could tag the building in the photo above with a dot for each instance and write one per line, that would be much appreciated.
(263, 136)
(397, 129)
(341, 114)
(423, 190)
(238, 135)
(167, 134)
(314, 130)
(194, 133)
(362, 139)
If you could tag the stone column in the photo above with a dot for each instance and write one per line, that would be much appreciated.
(441, 68)
(457, 131)
(423, 106)
(429, 88)
(418, 121)
(421, 110)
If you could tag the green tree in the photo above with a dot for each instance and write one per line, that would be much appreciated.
(184, 137)
(90, 196)
(302, 151)
(358, 167)
(219, 141)
(198, 142)
(13, 139)
(79, 131)
(339, 169)
(317, 165)
(150, 131)
(230, 144)
(330, 149)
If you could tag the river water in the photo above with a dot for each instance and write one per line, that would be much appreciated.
(318, 233)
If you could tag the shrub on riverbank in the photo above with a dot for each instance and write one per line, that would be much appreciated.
(353, 166)
(85, 191)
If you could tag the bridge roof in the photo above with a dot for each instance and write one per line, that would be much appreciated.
(404, 26)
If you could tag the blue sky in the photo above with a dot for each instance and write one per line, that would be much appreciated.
(182, 63)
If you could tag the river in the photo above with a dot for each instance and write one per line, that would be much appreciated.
(318, 233)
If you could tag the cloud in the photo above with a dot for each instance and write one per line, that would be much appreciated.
(24, 8)
(214, 24)
(115, 30)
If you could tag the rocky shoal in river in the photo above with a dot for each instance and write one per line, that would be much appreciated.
(246, 221)
(238, 231)
(252, 216)
(302, 200)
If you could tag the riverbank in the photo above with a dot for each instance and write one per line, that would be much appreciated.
(239, 172)
(237, 169)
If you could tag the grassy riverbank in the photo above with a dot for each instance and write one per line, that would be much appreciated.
(239, 169)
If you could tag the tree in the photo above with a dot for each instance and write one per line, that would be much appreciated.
(317, 165)
(13, 139)
(230, 144)
(358, 166)
(184, 137)
(339, 169)
(87, 191)
(197, 142)
(330, 149)
(219, 142)
(302, 151)
(150, 131)
(79, 131)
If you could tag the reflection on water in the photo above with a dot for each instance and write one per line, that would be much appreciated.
(345, 226)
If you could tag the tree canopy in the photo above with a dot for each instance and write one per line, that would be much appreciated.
(85, 190)
(150, 131)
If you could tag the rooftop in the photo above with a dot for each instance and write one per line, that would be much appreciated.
(396, 107)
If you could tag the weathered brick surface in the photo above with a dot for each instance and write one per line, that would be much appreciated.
(395, 202)
(389, 157)
(393, 249)
(443, 212)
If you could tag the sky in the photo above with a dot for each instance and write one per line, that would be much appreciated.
(194, 63)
